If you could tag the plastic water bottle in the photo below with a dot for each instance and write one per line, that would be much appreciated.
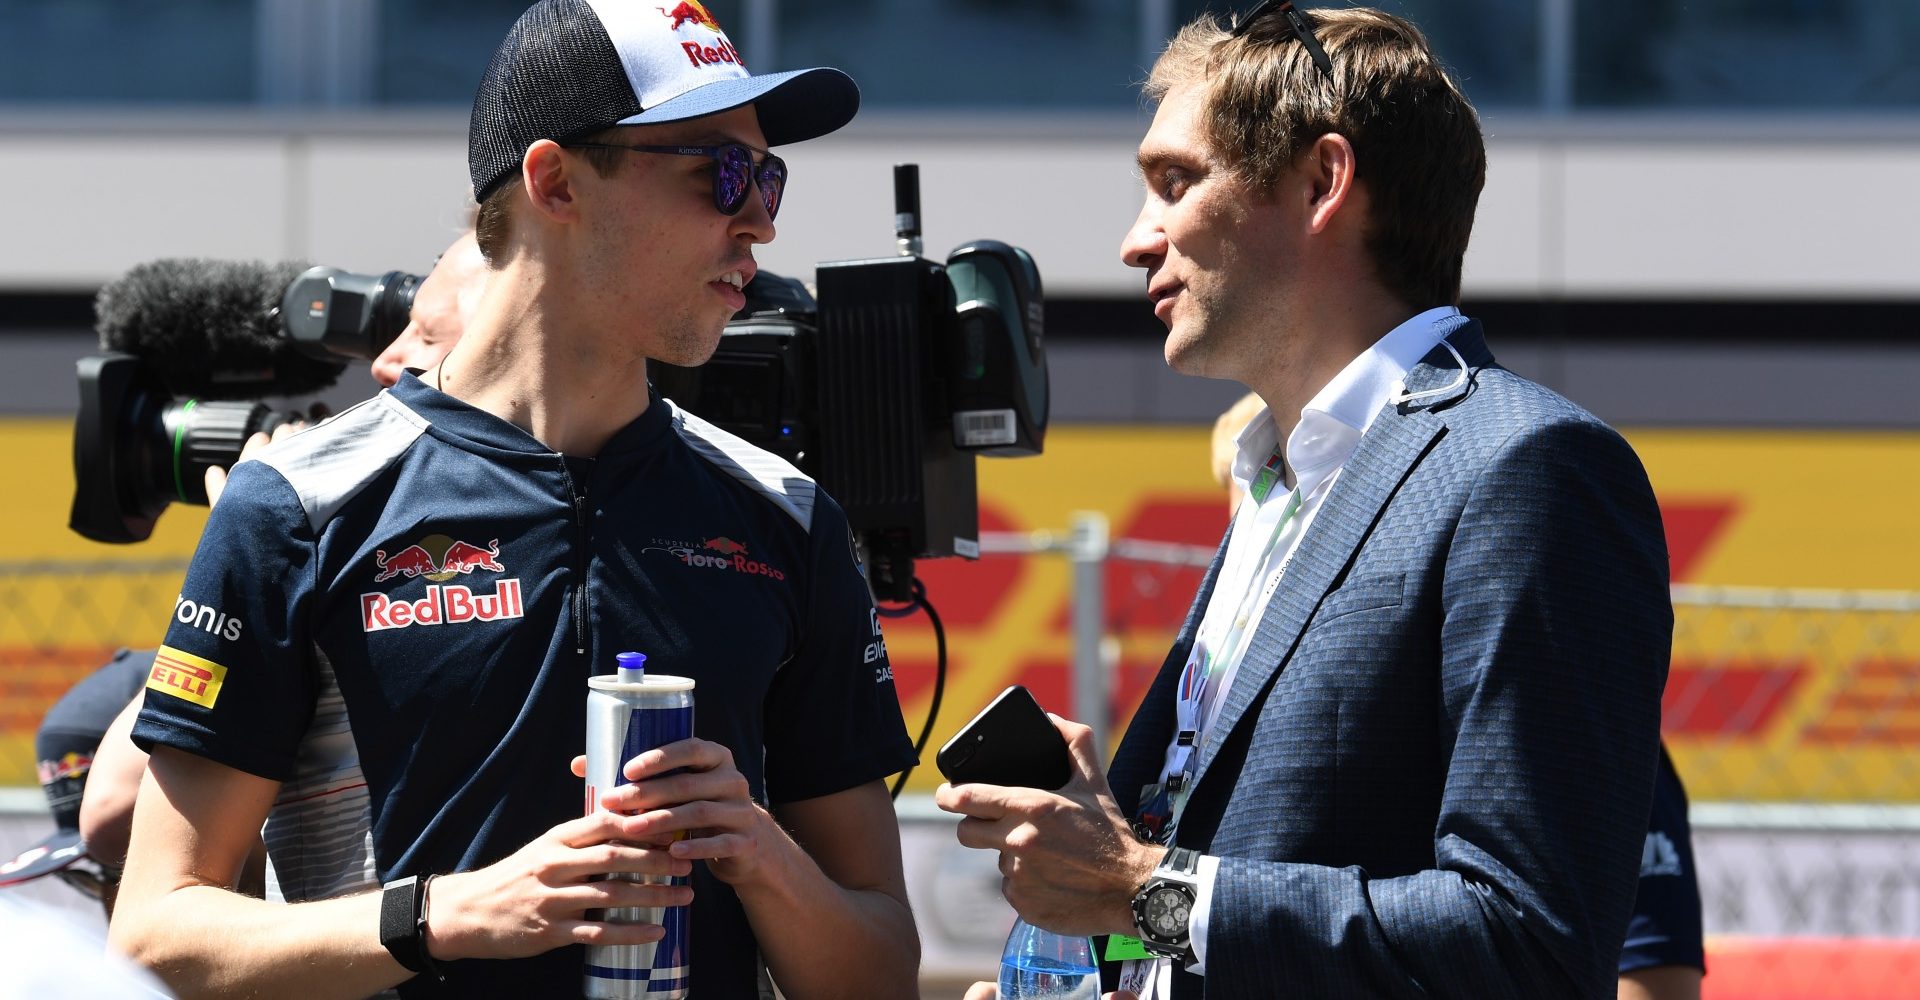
(1042, 965)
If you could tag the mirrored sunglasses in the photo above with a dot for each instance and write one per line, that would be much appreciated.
(733, 172)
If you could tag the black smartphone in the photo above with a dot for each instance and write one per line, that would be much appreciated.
(1011, 742)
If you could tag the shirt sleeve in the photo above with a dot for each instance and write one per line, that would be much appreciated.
(833, 716)
(1204, 876)
(233, 682)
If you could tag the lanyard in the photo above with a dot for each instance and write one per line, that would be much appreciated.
(1198, 688)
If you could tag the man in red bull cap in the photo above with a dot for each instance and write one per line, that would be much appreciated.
(410, 737)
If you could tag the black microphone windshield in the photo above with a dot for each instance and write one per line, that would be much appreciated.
(210, 328)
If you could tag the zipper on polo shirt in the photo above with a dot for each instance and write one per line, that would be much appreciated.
(582, 550)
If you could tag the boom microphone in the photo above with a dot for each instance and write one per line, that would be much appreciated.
(212, 328)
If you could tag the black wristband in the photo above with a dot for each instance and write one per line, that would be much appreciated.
(403, 924)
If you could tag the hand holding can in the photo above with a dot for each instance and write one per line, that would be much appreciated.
(628, 713)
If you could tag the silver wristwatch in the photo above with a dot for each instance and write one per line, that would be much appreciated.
(1163, 905)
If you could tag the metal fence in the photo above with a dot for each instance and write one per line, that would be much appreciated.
(58, 622)
(1793, 717)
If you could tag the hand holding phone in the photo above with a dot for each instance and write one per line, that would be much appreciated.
(1011, 742)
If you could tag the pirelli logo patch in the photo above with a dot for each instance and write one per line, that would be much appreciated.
(187, 676)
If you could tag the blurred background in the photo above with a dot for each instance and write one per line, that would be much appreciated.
(1700, 222)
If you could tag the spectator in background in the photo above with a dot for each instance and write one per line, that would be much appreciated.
(66, 747)
(43, 955)
(1665, 954)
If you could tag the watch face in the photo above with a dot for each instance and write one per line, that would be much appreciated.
(1167, 910)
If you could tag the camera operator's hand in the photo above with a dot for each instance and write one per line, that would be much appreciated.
(536, 899)
(217, 477)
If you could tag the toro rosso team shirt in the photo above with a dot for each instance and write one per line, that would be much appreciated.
(395, 614)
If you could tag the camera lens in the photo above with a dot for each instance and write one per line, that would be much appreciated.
(136, 450)
(330, 313)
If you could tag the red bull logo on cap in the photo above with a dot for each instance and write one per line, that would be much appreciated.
(717, 52)
(71, 765)
(690, 12)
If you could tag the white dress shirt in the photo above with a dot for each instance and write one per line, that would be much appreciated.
(1330, 427)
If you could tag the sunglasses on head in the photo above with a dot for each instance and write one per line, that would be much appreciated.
(733, 172)
(1295, 22)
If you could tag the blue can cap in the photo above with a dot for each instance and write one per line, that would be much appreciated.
(633, 666)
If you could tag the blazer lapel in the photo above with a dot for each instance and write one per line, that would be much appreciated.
(1400, 435)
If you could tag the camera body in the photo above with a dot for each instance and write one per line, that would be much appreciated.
(176, 401)
(885, 389)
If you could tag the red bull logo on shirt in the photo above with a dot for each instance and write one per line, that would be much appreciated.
(725, 546)
(450, 605)
(409, 562)
(464, 558)
(440, 558)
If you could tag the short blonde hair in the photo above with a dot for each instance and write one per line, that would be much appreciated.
(1416, 138)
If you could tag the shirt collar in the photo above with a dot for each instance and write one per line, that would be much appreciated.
(1333, 421)
(479, 427)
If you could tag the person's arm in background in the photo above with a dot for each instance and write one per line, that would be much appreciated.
(1665, 955)
(1665, 982)
(106, 805)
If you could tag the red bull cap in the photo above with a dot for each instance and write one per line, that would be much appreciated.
(573, 67)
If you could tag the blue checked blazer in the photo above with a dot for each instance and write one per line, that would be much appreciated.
(1432, 774)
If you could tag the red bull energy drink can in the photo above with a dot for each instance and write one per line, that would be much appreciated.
(628, 713)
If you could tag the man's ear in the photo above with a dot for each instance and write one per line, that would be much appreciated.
(1331, 170)
(548, 173)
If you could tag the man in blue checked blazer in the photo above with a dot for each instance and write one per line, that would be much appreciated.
(1405, 742)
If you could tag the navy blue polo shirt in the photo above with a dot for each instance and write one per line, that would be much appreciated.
(395, 614)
